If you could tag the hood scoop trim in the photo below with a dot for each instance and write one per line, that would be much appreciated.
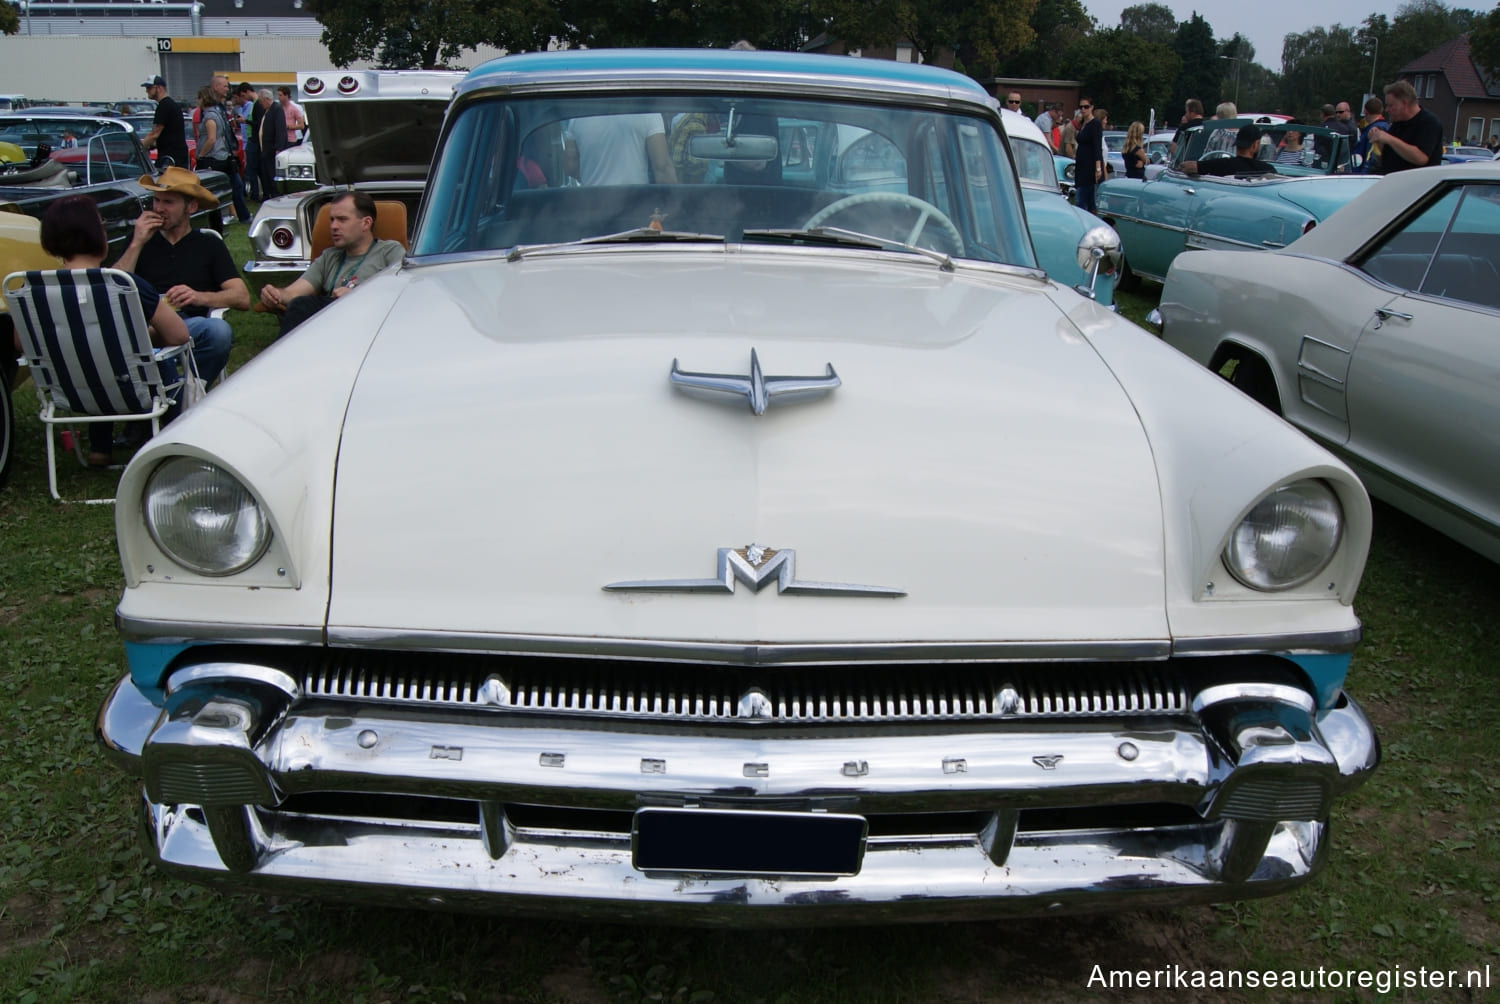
(760, 390)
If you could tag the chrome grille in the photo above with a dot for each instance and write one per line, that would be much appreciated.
(838, 694)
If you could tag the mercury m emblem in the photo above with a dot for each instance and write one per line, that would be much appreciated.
(754, 565)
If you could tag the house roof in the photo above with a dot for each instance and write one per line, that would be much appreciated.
(1454, 60)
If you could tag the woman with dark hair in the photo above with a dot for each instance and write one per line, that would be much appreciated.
(73, 231)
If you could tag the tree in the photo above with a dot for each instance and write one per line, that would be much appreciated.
(1055, 25)
(1484, 43)
(1419, 27)
(1153, 22)
(1202, 72)
(427, 34)
(1321, 66)
(1123, 73)
(767, 24)
(979, 31)
(10, 22)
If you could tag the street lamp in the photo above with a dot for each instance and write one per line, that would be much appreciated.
(1374, 58)
(1236, 60)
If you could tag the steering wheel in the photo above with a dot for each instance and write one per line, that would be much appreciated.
(1216, 155)
(926, 210)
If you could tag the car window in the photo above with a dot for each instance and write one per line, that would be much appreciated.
(1448, 250)
(516, 170)
(1034, 162)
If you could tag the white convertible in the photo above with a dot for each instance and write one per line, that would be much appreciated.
(753, 534)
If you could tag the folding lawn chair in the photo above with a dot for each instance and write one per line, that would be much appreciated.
(84, 336)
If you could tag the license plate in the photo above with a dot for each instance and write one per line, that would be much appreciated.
(736, 842)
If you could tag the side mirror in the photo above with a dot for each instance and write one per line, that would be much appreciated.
(1100, 245)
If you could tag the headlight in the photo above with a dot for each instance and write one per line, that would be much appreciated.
(203, 518)
(1288, 538)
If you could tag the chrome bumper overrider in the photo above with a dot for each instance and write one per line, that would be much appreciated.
(251, 783)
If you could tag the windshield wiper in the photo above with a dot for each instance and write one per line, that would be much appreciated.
(839, 237)
(640, 235)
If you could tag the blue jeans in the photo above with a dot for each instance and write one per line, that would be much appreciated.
(212, 340)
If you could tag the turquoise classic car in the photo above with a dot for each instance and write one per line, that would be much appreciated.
(1057, 226)
(1179, 210)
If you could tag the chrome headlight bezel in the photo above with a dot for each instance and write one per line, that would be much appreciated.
(1287, 538)
(184, 497)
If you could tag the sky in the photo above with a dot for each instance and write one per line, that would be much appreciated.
(1263, 22)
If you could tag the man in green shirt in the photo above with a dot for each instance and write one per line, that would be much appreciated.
(355, 256)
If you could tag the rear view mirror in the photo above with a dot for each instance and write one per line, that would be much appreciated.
(740, 148)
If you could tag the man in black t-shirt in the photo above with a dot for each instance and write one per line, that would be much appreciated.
(1415, 138)
(192, 269)
(1243, 163)
(166, 133)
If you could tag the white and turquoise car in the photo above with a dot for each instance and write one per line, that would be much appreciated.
(759, 544)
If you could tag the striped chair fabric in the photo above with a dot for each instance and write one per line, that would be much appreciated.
(85, 339)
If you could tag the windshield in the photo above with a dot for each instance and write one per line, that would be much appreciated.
(57, 133)
(1034, 163)
(553, 169)
(1293, 148)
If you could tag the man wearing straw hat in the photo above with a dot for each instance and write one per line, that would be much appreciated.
(190, 268)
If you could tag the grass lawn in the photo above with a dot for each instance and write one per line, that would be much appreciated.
(1413, 878)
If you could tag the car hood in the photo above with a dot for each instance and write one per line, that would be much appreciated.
(375, 126)
(978, 456)
(1322, 197)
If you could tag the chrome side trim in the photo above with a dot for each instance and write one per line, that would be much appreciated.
(750, 654)
(179, 632)
(1309, 643)
(730, 653)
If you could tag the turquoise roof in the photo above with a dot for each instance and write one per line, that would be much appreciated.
(724, 61)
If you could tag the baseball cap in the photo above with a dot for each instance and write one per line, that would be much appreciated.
(155, 81)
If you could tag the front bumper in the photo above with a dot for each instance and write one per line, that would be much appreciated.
(252, 784)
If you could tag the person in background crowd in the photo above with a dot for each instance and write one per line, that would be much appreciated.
(1340, 120)
(270, 137)
(1013, 101)
(1374, 119)
(1493, 146)
(296, 121)
(167, 133)
(1415, 138)
(1068, 143)
(1290, 151)
(1135, 151)
(1244, 163)
(1226, 110)
(356, 255)
(1044, 122)
(233, 162)
(1192, 114)
(191, 268)
(244, 110)
(1089, 156)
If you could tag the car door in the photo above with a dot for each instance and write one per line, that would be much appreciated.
(1424, 379)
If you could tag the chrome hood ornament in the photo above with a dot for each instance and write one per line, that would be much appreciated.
(759, 389)
(755, 566)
